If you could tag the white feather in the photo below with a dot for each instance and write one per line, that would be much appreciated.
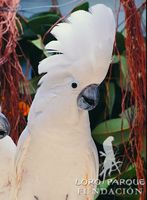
(52, 62)
(87, 36)
(7, 155)
(56, 147)
(53, 45)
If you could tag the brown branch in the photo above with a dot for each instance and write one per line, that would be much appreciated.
(140, 9)
(55, 8)
(136, 60)
(54, 2)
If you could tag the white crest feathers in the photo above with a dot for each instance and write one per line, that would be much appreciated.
(87, 36)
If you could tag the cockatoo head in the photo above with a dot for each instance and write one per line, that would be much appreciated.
(83, 54)
(4, 126)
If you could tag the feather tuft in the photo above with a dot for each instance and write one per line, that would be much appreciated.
(87, 36)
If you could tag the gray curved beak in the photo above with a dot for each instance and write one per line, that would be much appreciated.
(88, 98)
(4, 126)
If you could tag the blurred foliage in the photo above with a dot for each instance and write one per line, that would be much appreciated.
(107, 119)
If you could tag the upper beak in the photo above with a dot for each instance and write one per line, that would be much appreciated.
(4, 126)
(88, 98)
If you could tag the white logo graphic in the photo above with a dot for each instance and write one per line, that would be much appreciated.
(110, 161)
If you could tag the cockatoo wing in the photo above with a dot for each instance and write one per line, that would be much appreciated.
(21, 152)
(7, 155)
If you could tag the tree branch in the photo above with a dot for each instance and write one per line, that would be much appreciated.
(55, 9)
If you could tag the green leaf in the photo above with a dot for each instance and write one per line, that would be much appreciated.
(129, 113)
(27, 32)
(38, 43)
(84, 6)
(103, 185)
(120, 42)
(42, 23)
(115, 59)
(129, 197)
(124, 72)
(32, 53)
(118, 128)
(111, 97)
(33, 85)
(40, 14)
(129, 173)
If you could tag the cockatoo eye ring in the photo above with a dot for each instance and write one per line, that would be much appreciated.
(74, 85)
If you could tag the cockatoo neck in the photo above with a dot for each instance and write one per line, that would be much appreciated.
(47, 123)
(73, 130)
(53, 110)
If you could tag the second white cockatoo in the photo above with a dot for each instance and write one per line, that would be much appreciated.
(56, 149)
(7, 156)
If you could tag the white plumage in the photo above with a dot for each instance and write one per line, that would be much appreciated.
(56, 147)
(7, 155)
(84, 38)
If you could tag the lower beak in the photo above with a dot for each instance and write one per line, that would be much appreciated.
(4, 126)
(88, 98)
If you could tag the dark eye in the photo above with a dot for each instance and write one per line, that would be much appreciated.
(74, 85)
(2, 134)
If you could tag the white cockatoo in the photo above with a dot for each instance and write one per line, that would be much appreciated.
(56, 153)
(7, 155)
